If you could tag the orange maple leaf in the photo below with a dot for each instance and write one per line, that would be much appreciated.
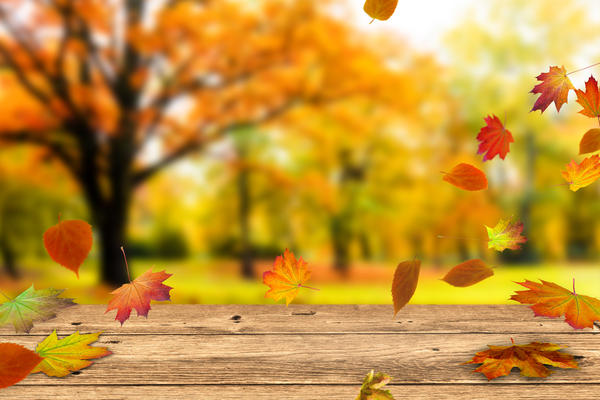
(590, 99)
(138, 294)
(467, 177)
(548, 299)
(16, 363)
(495, 139)
(555, 88)
(583, 174)
(286, 278)
(69, 243)
(529, 358)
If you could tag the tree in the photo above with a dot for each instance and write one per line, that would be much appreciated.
(105, 86)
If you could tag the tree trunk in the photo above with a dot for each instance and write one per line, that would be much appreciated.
(246, 257)
(8, 259)
(340, 240)
(112, 236)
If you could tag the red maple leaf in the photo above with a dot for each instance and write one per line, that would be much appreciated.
(555, 88)
(495, 139)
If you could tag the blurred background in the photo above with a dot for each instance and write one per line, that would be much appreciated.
(208, 136)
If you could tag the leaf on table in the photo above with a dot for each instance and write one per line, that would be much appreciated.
(69, 243)
(548, 299)
(372, 387)
(584, 174)
(468, 273)
(467, 177)
(286, 278)
(555, 88)
(16, 362)
(380, 9)
(495, 139)
(63, 356)
(138, 294)
(506, 235)
(405, 282)
(529, 358)
(32, 306)
(590, 142)
(590, 99)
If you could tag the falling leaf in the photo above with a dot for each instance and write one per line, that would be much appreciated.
(68, 243)
(286, 278)
(61, 357)
(372, 387)
(468, 273)
(555, 88)
(584, 174)
(32, 306)
(495, 139)
(380, 9)
(405, 282)
(467, 177)
(16, 362)
(548, 299)
(529, 358)
(590, 142)
(590, 99)
(138, 294)
(506, 235)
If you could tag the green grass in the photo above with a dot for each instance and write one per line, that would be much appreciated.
(208, 283)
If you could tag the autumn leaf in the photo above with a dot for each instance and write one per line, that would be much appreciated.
(468, 273)
(583, 174)
(68, 243)
(32, 306)
(506, 235)
(380, 9)
(286, 278)
(16, 362)
(555, 88)
(548, 299)
(138, 294)
(405, 282)
(529, 358)
(372, 387)
(495, 139)
(467, 177)
(590, 99)
(590, 142)
(61, 357)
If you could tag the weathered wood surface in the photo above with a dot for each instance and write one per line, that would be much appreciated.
(306, 352)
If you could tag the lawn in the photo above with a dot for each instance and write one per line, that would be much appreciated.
(216, 282)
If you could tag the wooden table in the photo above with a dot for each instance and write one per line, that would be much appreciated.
(307, 352)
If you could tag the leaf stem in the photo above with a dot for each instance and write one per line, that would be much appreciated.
(574, 287)
(5, 296)
(511, 339)
(59, 214)
(308, 287)
(126, 265)
(584, 68)
(372, 21)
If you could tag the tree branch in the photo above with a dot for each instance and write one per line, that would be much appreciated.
(142, 175)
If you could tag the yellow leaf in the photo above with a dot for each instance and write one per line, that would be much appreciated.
(72, 353)
(380, 9)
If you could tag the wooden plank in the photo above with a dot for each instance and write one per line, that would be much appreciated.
(310, 359)
(489, 391)
(261, 319)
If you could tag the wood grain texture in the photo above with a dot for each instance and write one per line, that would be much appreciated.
(306, 352)
(301, 392)
(166, 319)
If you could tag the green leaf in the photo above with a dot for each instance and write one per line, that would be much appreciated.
(372, 387)
(506, 235)
(32, 306)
